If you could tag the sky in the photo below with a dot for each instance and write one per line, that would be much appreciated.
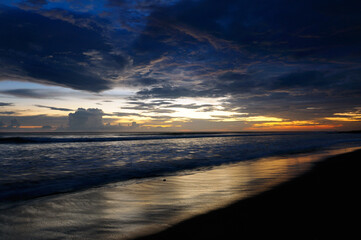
(180, 65)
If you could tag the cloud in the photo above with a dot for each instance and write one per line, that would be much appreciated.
(7, 113)
(82, 20)
(337, 82)
(29, 93)
(189, 106)
(305, 79)
(273, 52)
(124, 114)
(5, 104)
(55, 108)
(141, 105)
(32, 4)
(14, 124)
(273, 27)
(142, 81)
(36, 120)
(55, 52)
(91, 119)
(231, 83)
(86, 119)
(167, 92)
(159, 110)
(160, 106)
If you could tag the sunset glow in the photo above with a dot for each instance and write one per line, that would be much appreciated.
(120, 119)
(125, 62)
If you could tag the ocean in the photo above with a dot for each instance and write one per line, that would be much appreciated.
(122, 185)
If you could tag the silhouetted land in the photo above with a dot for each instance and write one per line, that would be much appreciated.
(322, 204)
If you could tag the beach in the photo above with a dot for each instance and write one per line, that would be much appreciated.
(321, 204)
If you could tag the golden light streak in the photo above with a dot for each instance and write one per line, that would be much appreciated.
(351, 114)
(343, 119)
(161, 125)
(294, 128)
(262, 119)
(346, 117)
(289, 123)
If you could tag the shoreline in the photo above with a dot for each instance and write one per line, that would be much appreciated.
(319, 204)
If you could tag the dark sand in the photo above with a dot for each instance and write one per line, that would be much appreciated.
(321, 204)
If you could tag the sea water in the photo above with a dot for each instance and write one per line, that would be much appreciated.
(114, 186)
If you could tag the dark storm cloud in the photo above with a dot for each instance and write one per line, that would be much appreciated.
(285, 45)
(55, 108)
(37, 48)
(330, 29)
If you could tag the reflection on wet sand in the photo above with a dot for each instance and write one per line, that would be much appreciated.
(137, 207)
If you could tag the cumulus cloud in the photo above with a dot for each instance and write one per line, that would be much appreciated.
(86, 119)
(91, 119)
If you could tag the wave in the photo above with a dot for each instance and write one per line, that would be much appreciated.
(31, 171)
(39, 140)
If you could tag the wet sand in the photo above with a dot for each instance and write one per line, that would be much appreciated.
(324, 203)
